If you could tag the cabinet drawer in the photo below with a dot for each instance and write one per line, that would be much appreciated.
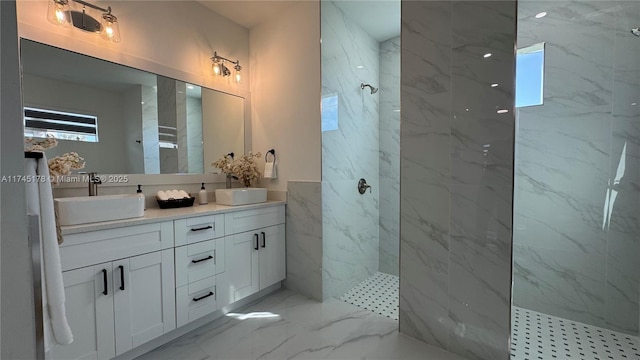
(198, 261)
(89, 248)
(241, 221)
(197, 229)
(196, 300)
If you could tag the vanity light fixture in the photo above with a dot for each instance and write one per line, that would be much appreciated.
(220, 69)
(60, 13)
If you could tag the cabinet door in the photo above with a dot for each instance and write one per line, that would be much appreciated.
(241, 275)
(272, 255)
(89, 304)
(144, 298)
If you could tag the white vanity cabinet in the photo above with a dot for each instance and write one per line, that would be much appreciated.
(256, 258)
(117, 305)
(89, 304)
(143, 298)
(199, 259)
(128, 285)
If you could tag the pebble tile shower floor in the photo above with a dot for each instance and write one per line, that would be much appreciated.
(378, 293)
(537, 336)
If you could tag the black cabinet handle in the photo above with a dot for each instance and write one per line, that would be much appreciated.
(203, 228)
(104, 281)
(257, 239)
(264, 239)
(121, 277)
(203, 259)
(203, 297)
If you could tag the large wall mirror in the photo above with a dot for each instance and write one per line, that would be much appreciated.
(123, 120)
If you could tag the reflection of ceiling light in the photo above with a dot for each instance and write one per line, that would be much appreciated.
(634, 104)
(541, 15)
(142, 102)
(359, 67)
(502, 111)
(487, 55)
(494, 85)
(466, 109)
(190, 87)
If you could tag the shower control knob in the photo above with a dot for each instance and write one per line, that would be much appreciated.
(363, 186)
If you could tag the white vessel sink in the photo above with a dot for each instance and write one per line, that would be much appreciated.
(241, 196)
(89, 209)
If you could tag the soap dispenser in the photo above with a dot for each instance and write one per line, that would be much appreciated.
(202, 196)
(141, 195)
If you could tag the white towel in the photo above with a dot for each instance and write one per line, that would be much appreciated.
(162, 195)
(270, 170)
(40, 202)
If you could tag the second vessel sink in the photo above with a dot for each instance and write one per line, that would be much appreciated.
(90, 209)
(241, 196)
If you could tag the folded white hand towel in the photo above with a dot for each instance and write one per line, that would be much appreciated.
(162, 195)
(183, 194)
(270, 170)
(40, 202)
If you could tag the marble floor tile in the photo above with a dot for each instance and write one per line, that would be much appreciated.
(286, 325)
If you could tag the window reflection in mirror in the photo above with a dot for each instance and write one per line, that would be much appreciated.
(146, 123)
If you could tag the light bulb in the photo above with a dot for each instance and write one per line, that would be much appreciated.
(216, 68)
(238, 77)
(110, 27)
(58, 12)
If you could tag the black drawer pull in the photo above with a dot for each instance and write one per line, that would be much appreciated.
(104, 280)
(121, 277)
(203, 228)
(264, 239)
(203, 259)
(203, 297)
(257, 240)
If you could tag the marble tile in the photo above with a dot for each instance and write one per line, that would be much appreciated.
(545, 281)
(150, 130)
(304, 238)
(194, 135)
(352, 150)
(181, 125)
(303, 329)
(389, 231)
(425, 137)
(389, 161)
(350, 235)
(456, 175)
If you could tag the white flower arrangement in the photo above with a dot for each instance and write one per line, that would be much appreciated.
(60, 165)
(243, 167)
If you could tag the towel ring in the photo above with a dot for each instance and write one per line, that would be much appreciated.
(272, 152)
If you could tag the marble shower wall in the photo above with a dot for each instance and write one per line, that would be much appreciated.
(576, 179)
(350, 220)
(389, 113)
(304, 238)
(456, 174)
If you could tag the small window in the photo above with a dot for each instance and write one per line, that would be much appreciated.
(168, 137)
(530, 75)
(42, 123)
(329, 110)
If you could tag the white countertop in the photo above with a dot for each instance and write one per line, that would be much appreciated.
(157, 215)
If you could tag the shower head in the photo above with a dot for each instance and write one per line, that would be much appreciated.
(373, 89)
(636, 31)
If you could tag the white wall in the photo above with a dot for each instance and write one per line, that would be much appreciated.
(59, 95)
(172, 38)
(17, 326)
(286, 91)
(221, 120)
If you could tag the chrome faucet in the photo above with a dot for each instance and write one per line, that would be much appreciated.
(94, 181)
